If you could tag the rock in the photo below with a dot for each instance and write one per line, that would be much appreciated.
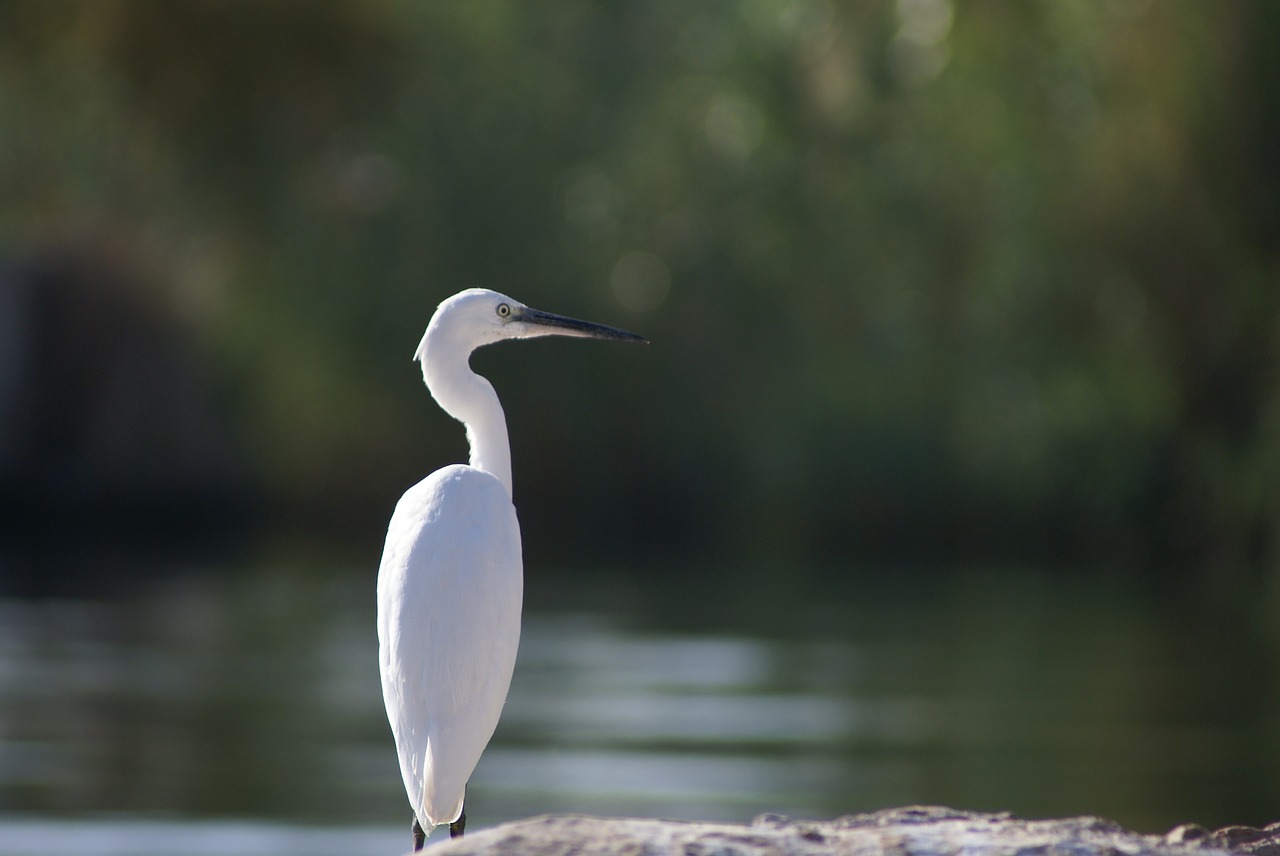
(918, 831)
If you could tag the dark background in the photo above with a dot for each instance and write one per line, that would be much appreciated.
(923, 281)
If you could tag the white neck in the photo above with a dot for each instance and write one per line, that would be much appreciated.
(470, 399)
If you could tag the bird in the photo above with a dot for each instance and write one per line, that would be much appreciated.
(451, 579)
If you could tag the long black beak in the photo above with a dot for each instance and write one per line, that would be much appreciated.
(559, 325)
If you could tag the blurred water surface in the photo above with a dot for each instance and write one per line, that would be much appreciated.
(239, 711)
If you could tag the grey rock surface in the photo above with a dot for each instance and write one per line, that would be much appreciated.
(916, 831)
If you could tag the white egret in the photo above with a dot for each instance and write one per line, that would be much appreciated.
(450, 584)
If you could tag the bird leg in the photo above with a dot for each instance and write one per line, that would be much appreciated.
(455, 828)
(419, 837)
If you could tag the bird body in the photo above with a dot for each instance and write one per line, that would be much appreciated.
(453, 540)
(451, 582)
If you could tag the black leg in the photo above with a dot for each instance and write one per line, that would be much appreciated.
(456, 828)
(419, 837)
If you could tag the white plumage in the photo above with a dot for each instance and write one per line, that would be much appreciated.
(452, 547)
(450, 584)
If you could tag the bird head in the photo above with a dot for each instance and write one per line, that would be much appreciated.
(477, 317)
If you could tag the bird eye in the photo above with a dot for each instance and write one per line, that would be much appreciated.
(503, 310)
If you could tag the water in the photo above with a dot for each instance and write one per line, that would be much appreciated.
(237, 711)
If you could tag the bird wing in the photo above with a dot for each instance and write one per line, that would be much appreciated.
(450, 587)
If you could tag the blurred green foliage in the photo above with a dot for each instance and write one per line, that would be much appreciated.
(924, 279)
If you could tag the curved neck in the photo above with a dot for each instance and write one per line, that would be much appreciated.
(470, 399)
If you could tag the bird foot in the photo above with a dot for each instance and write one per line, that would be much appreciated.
(419, 836)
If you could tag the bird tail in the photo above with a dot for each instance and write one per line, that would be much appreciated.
(429, 809)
